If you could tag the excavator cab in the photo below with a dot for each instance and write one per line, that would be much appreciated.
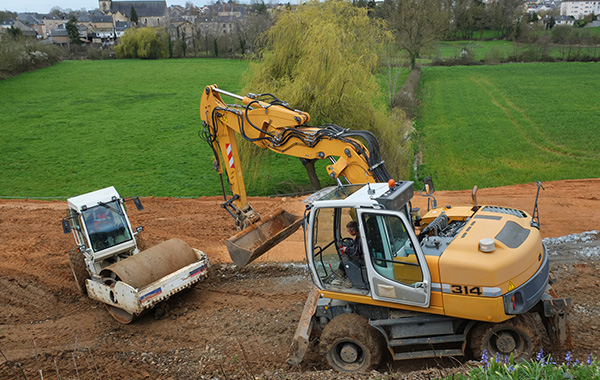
(391, 266)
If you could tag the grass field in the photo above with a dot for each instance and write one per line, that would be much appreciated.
(514, 123)
(83, 125)
(480, 49)
(79, 126)
(495, 50)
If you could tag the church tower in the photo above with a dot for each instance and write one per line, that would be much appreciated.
(104, 6)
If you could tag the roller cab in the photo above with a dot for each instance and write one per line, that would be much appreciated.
(110, 265)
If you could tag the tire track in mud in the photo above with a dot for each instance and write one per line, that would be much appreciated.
(547, 144)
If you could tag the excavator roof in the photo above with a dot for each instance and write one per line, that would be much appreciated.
(364, 195)
(91, 199)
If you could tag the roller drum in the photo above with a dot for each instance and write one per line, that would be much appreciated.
(152, 264)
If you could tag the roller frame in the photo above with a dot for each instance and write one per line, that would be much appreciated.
(135, 301)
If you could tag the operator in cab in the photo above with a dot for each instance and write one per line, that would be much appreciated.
(354, 251)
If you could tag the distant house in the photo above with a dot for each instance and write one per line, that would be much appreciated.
(121, 27)
(149, 13)
(25, 29)
(96, 20)
(60, 36)
(539, 9)
(33, 21)
(52, 22)
(39, 25)
(5, 24)
(564, 20)
(182, 28)
(579, 9)
(222, 18)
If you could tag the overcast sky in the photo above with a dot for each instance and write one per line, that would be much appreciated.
(44, 6)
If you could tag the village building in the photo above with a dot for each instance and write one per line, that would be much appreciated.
(149, 13)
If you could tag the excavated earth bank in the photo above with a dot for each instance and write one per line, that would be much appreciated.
(238, 324)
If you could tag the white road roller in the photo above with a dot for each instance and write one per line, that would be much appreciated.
(110, 266)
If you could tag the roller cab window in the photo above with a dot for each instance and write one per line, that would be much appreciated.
(106, 225)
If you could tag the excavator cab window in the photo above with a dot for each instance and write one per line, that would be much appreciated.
(391, 250)
(106, 225)
(330, 235)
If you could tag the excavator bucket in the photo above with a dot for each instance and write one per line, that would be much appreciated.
(254, 241)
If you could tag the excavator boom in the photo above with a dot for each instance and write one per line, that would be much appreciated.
(271, 124)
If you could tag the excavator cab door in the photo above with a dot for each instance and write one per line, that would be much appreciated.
(395, 264)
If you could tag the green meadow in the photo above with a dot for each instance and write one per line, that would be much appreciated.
(513, 123)
(480, 49)
(497, 50)
(82, 125)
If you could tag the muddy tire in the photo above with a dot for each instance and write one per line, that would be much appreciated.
(350, 344)
(78, 268)
(518, 337)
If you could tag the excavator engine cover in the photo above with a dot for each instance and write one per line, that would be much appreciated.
(254, 241)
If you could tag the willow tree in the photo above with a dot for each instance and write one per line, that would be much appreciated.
(322, 58)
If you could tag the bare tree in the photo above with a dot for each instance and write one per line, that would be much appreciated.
(417, 24)
(504, 15)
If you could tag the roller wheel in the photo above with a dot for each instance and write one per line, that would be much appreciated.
(517, 337)
(350, 344)
(78, 268)
(120, 315)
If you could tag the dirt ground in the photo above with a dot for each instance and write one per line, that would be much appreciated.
(238, 324)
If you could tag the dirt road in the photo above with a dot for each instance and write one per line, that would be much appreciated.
(239, 323)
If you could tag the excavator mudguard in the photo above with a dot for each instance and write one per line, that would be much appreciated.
(252, 242)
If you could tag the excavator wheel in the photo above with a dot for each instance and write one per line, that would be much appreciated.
(350, 344)
(517, 337)
(78, 268)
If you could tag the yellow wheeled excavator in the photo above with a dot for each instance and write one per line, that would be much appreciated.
(110, 265)
(455, 281)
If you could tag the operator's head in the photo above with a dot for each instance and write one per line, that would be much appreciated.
(352, 228)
